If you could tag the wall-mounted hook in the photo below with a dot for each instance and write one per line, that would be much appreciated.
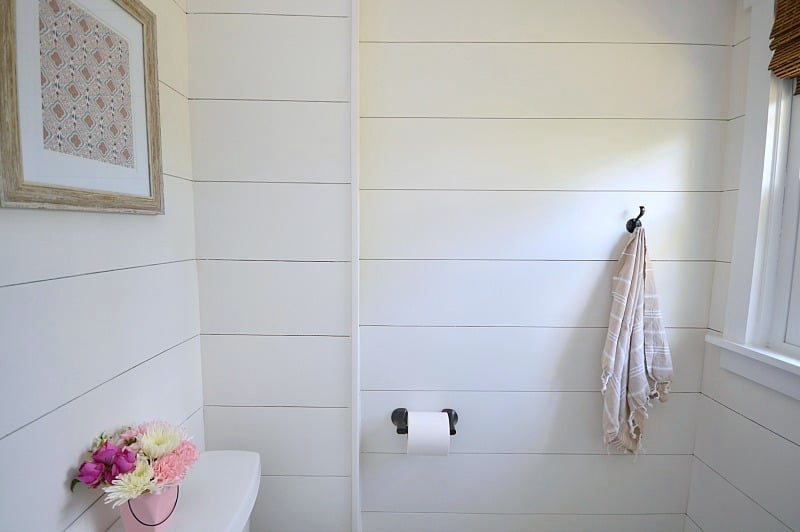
(400, 420)
(633, 223)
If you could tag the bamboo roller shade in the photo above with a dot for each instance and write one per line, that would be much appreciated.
(785, 37)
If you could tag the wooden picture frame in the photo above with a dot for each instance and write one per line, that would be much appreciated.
(88, 145)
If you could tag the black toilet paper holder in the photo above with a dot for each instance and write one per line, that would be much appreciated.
(400, 420)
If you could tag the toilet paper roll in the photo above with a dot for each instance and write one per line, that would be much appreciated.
(428, 433)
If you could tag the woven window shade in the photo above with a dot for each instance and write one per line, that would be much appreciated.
(785, 37)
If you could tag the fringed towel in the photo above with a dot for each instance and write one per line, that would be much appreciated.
(636, 361)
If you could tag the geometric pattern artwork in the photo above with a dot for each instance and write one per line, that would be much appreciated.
(85, 80)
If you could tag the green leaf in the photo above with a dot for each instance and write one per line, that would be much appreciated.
(72, 484)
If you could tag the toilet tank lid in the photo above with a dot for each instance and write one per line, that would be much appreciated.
(218, 493)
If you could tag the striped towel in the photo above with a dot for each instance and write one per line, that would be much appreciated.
(636, 362)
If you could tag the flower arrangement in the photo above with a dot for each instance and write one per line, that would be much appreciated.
(137, 460)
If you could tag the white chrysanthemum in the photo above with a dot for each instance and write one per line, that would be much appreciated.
(160, 439)
(131, 485)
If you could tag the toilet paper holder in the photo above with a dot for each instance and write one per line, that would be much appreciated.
(400, 420)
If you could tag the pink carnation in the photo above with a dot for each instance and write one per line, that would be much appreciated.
(171, 468)
(187, 452)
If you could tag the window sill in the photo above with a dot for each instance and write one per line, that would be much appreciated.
(768, 368)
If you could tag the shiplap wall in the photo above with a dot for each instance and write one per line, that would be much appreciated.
(746, 471)
(99, 320)
(270, 90)
(503, 145)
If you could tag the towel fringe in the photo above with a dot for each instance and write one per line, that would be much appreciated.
(661, 391)
(629, 441)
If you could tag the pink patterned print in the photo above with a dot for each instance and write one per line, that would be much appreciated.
(86, 95)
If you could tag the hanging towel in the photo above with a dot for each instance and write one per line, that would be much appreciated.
(636, 361)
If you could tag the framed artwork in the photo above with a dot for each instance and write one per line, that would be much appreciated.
(79, 115)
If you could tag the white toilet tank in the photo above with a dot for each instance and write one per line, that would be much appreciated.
(218, 494)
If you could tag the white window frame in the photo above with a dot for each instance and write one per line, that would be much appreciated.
(788, 272)
(778, 261)
(760, 278)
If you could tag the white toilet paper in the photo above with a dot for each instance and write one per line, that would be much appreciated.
(428, 433)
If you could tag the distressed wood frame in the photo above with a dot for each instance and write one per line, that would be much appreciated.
(14, 192)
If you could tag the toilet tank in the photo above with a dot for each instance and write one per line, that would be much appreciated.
(218, 493)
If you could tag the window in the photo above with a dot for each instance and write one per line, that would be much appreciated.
(762, 322)
(778, 326)
(786, 323)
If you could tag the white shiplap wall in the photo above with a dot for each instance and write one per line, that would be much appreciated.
(99, 320)
(746, 470)
(270, 113)
(503, 146)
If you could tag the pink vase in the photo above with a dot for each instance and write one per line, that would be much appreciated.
(150, 512)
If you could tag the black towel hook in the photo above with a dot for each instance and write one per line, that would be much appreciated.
(633, 223)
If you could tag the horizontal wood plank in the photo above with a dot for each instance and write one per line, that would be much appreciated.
(251, 297)
(270, 141)
(310, 504)
(520, 293)
(719, 296)
(505, 80)
(734, 137)
(172, 52)
(449, 522)
(740, 55)
(541, 154)
(496, 483)
(533, 225)
(176, 141)
(273, 221)
(276, 371)
(195, 429)
(727, 220)
(269, 58)
(274, 7)
(649, 21)
(291, 441)
(504, 358)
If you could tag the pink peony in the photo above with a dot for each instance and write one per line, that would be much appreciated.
(109, 475)
(108, 462)
(124, 462)
(105, 454)
(91, 473)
